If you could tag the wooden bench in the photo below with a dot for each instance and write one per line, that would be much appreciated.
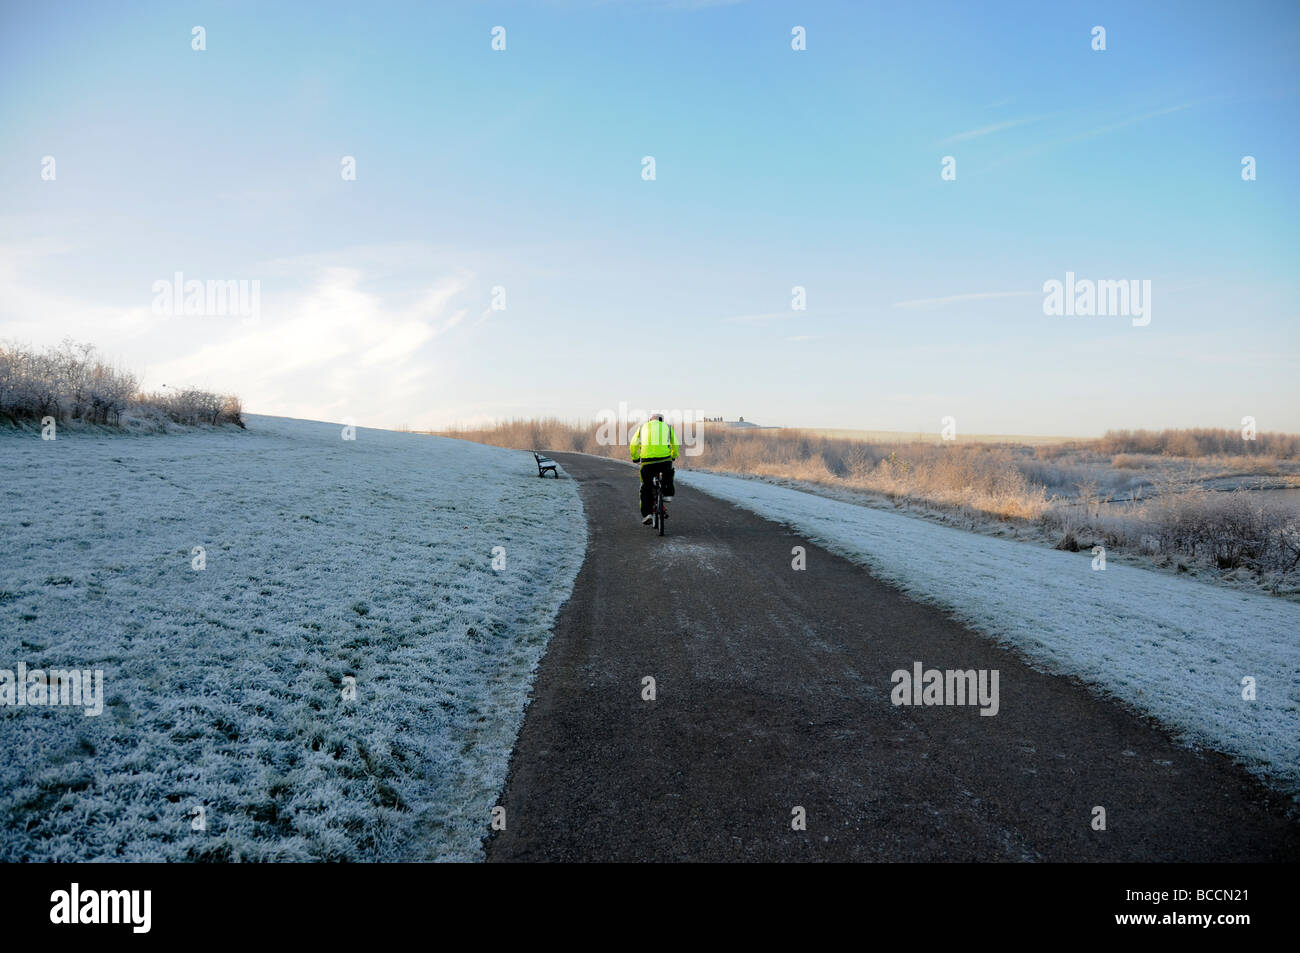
(544, 464)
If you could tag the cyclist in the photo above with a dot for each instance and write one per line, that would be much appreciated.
(654, 447)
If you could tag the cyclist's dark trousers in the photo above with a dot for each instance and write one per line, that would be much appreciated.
(648, 472)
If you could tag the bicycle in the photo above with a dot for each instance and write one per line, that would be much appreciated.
(660, 508)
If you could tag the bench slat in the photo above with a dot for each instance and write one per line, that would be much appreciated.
(544, 464)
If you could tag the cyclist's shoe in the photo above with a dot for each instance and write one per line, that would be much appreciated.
(647, 520)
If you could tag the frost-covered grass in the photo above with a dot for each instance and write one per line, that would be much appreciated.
(1173, 647)
(325, 559)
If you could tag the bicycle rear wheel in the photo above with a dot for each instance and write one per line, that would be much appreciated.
(659, 504)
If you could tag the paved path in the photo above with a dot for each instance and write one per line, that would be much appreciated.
(773, 692)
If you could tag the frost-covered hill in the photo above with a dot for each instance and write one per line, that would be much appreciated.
(326, 560)
(1174, 647)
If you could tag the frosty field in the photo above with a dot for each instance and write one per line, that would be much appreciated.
(224, 687)
(1175, 648)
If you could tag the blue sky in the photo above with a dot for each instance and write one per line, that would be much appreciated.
(775, 168)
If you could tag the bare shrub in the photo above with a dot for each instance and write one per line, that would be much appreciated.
(232, 411)
(1238, 529)
(1068, 542)
(1198, 442)
(979, 477)
(69, 383)
(1052, 451)
(66, 382)
(1130, 461)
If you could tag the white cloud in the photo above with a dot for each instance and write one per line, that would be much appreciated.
(325, 345)
(29, 313)
(337, 351)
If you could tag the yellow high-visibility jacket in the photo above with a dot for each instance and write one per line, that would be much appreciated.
(654, 442)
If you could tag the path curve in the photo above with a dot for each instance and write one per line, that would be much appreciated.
(773, 693)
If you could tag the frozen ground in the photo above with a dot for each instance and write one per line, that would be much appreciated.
(1173, 647)
(224, 687)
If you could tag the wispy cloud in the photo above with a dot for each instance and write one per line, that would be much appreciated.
(916, 398)
(1134, 120)
(688, 5)
(1103, 129)
(761, 318)
(696, 4)
(955, 299)
(990, 129)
